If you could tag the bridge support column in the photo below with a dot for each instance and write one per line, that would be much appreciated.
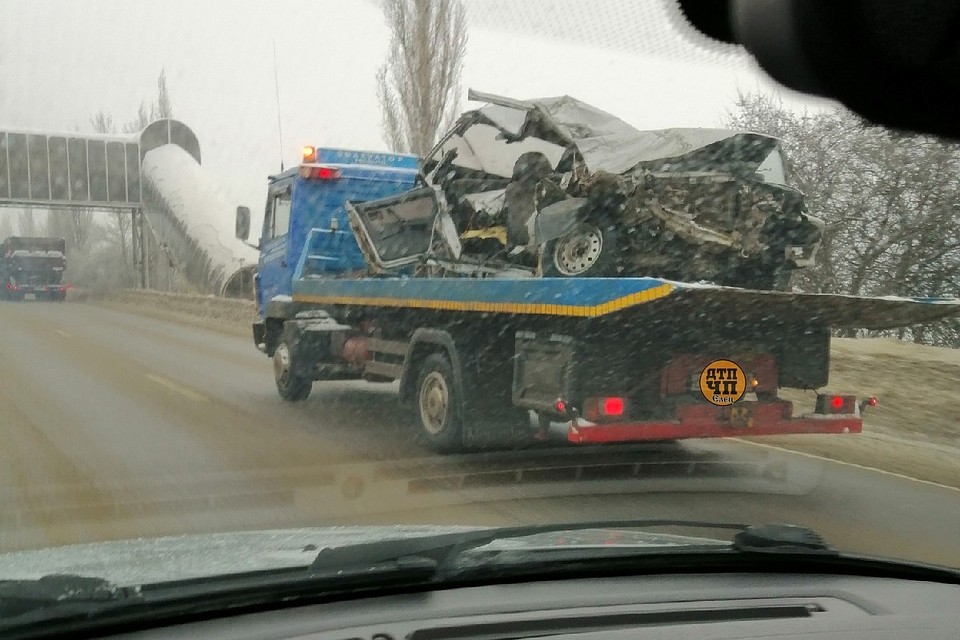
(135, 245)
(145, 238)
(140, 247)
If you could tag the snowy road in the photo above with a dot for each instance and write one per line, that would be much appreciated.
(113, 426)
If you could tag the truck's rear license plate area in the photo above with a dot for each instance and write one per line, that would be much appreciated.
(741, 415)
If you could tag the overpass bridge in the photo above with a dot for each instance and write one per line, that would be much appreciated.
(155, 176)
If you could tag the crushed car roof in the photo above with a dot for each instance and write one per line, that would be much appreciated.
(606, 142)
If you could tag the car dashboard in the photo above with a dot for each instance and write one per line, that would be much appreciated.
(661, 606)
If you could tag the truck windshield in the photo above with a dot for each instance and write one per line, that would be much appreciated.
(278, 215)
(36, 263)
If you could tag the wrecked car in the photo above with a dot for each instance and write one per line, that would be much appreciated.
(557, 188)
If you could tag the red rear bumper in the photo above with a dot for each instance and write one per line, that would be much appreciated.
(709, 421)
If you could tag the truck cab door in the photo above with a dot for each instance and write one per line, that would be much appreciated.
(396, 231)
(274, 269)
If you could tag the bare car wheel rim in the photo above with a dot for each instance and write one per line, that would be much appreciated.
(281, 364)
(578, 251)
(434, 399)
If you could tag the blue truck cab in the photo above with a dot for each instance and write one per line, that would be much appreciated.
(305, 209)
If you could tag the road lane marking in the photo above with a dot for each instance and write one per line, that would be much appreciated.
(64, 333)
(173, 386)
(848, 464)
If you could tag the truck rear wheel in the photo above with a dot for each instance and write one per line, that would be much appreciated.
(439, 405)
(291, 385)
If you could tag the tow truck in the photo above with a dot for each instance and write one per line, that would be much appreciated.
(497, 358)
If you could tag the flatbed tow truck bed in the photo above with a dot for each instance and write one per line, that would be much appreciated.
(638, 298)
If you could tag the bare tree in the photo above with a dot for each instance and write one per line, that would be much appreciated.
(26, 223)
(161, 108)
(103, 123)
(6, 225)
(76, 226)
(418, 87)
(140, 122)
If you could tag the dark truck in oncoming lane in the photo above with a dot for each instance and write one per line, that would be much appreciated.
(33, 266)
(347, 288)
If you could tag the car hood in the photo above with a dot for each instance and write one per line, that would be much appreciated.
(156, 560)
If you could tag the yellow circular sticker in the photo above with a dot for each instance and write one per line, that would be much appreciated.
(723, 382)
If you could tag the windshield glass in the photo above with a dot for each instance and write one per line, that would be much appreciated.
(454, 263)
(772, 170)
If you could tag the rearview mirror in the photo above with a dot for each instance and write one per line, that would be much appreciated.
(243, 223)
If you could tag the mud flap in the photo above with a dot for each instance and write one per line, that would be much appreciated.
(308, 338)
(491, 420)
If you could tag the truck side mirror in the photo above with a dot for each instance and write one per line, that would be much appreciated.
(243, 223)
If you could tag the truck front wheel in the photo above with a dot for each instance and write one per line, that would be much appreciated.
(291, 385)
(438, 405)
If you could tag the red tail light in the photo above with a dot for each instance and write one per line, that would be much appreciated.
(595, 409)
(830, 403)
(612, 406)
(318, 172)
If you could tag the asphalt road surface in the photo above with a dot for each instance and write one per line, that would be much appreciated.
(114, 425)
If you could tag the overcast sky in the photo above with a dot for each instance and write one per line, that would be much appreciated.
(61, 61)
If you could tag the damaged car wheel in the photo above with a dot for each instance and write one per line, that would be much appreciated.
(590, 249)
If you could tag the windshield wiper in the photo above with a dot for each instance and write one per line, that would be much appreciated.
(442, 547)
(768, 548)
(781, 539)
